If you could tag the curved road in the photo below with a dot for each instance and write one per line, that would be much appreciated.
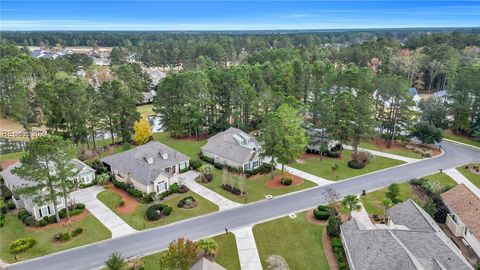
(94, 255)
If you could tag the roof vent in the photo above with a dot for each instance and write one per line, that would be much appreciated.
(164, 155)
(148, 159)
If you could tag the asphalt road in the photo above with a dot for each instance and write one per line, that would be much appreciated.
(94, 255)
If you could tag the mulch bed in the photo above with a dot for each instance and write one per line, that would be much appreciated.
(6, 163)
(275, 182)
(313, 220)
(62, 222)
(327, 246)
(130, 202)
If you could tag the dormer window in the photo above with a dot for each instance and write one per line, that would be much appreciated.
(164, 155)
(148, 160)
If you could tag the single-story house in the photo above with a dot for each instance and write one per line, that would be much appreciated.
(235, 148)
(150, 167)
(464, 217)
(317, 137)
(85, 176)
(205, 264)
(410, 240)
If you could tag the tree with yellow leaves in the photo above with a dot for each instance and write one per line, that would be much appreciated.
(143, 131)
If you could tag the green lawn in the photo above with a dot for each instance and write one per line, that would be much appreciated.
(298, 241)
(460, 138)
(401, 152)
(474, 178)
(254, 187)
(227, 254)
(373, 200)
(188, 147)
(93, 231)
(145, 110)
(11, 156)
(137, 218)
(323, 168)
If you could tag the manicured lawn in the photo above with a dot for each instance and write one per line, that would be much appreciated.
(188, 147)
(11, 156)
(474, 178)
(373, 200)
(227, 254)
(396, 151)
(298, 241)
(145, 110)
(137, 218)
(323, 168)
(442, 179)
(460, 138)
(254, 187)
(93, 231)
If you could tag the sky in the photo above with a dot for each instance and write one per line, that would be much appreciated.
(234, 15)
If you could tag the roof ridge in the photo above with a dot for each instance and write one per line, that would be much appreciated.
(412, 257)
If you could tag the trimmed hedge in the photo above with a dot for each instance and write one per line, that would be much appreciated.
(11, 205)
(333, 154)
(356, 165)
(129, 188)
(339, 253)
(232, 189)
(265, 168)
(195, 164)
(286, 181)
(21, 245)
(156, 211)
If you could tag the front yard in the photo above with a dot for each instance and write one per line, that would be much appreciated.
(297, 240)
(227, 254)
(255, 187)
(459, 138)
(396, 149)
(323, 168)
(93, 231)
(137, 219)
(471, 173)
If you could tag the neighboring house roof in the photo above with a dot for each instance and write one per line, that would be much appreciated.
(233, 144)
(466, 206)
(412, 216)
(205, 264)
(399, 247)
(80, 165)
(136, 161)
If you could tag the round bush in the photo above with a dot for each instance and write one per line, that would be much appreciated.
(323, 208)
(29, 221)
(183, 189)
(121, 203)
(66, 237)
(62, 213)
(355, 165)
(43, 222)
(156, 211)
(11, 205)
(80, 206)
(21, 245)
(321, 215)
(22, 214)
(166, 211)
(333, 154)
(152, 214)
(3, 210)
(187, 202)
(77, 231)
(286, 181)
(208, 177)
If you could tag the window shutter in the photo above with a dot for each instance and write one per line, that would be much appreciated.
(40, 212)
(48, 209)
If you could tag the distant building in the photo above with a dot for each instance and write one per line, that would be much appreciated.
(147, 97)
(410, 240)
(39, 53)
(318, 137)
(464, 219)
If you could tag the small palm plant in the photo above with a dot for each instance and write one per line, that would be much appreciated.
(387, 203)
(352, 203)
(208, 246)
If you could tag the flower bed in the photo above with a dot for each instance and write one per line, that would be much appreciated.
(187, 203)
(232, 189)
(64, 237)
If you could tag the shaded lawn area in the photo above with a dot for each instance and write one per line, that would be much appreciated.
(93, 231)
(145, 110)
(474, 178)
(255, 187)
(227, 254)
(298, 241)
(459, 138)
(11, 156)
(373, 200)
(396, 151)
(137, 218)
(189, 147)
(323, 168)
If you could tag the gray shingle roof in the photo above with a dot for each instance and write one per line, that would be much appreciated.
(134, 161)
(225, 146)
(205, 264)
(391, 248)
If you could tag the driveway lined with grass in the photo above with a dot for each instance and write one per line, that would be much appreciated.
(323, 168)
(137, 218)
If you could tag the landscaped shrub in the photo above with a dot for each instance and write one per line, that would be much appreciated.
(134, 192)
(29, 221)
(262, 169)
(11, 205)
(333, 226)
(336, 242)
(150, 197)
(207, 159)
(187, 202)
(321, 215)
(3, 209)
(98, 166)
(156, 211)
(174, 188)
(42, 222)
(218, 165)
(129, 188)
(76, 232)
(333, 154)
(22, 214)
(362, 157)
(183, 189)
(355, 165)
(339, 253)
(121, 203)
(93, 183)
(286, 181)
(441, 213)
(7, 194)
(232, 189)
(76, 209)
(76, 212)
(102, 179)
(21, 245)
(195, 164)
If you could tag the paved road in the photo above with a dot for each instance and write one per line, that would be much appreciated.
(93, 256)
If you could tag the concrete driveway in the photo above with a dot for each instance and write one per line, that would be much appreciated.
(107, 217)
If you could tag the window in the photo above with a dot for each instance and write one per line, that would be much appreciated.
(255, 163)
(183, 165)
(161, 187)
(86, 179)
(167, 170)
(44, 211)
(246, 166)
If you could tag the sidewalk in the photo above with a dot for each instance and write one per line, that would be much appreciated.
(107, 217)
(459, 178)
(383, 154)
(247, 249)
(307, 176)
(222, 202)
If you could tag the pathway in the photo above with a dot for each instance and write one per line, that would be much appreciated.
(247, 249)
(362, 216)
(387, 155)
(107, 217)
(222, 202)
(461, 179)
(308, 176)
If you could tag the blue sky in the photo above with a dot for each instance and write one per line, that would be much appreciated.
(234, 15)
